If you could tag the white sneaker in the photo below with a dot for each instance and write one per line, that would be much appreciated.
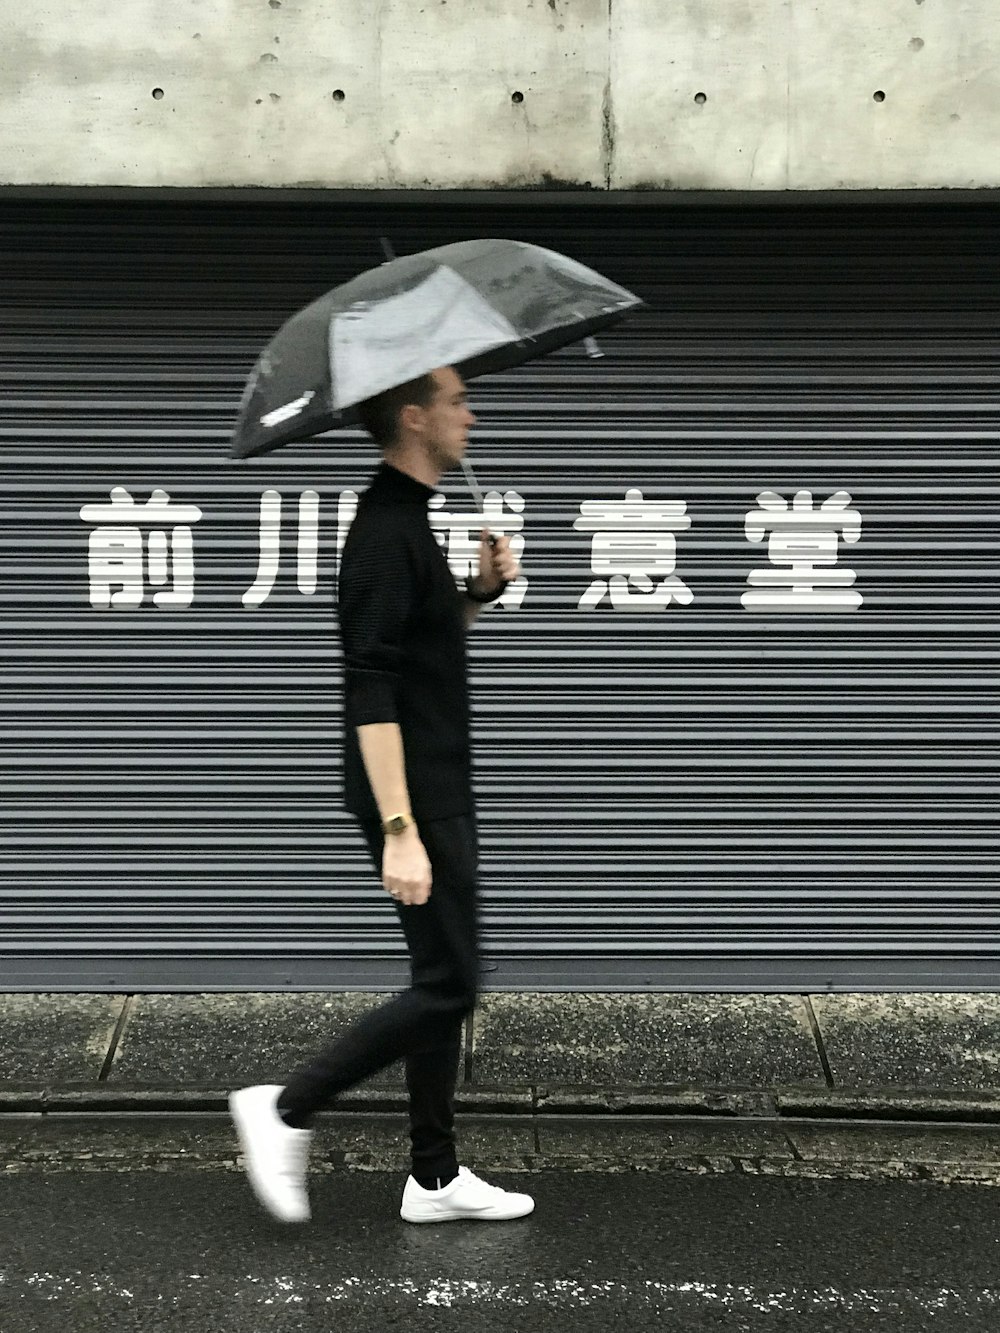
(275, 1155)
(466, 1197)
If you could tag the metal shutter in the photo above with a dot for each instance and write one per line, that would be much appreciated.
(701, 796)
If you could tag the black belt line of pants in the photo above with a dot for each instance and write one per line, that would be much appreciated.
(424, 1024)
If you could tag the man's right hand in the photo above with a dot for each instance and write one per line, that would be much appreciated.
(406, 868)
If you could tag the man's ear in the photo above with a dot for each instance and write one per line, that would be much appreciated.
(410, 418)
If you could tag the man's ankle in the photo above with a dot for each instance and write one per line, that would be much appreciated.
(435, 1182)
(294, 1119)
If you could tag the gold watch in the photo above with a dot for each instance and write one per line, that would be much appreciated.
(396, 824)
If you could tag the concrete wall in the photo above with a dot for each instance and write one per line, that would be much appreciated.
(691, 94)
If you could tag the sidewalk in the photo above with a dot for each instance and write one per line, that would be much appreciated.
(862, 1056)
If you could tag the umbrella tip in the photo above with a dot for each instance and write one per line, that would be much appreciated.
(387, 249)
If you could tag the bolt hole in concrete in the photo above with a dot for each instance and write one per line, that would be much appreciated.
(880, 97)
(517, 97)
(158, 94)
(339, 94)
(700, 98)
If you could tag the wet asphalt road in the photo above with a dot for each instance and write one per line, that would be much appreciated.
(148, 1224)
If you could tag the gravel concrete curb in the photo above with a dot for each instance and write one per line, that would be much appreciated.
(716, 1104)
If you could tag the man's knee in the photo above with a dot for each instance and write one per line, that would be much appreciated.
(463, 993)
(469, 984)
(453, 996)
(470, 995)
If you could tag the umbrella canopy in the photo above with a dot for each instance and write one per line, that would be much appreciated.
(480, 306)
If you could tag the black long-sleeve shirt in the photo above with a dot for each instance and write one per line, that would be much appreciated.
(403, 630)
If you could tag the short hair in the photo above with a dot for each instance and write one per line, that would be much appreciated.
(380, 415)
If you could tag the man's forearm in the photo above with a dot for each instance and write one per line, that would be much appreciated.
(382, 751)
(406, 870)
(472, 610)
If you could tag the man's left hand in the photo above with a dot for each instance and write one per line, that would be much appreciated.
(497, 564)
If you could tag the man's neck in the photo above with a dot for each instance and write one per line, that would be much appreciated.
(413, 464)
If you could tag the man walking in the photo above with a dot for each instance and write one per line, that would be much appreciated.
(408, 781)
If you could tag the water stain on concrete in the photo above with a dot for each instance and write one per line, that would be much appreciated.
(632, 1040)
(56, 1038)
(928, 1041)
(218, 1040)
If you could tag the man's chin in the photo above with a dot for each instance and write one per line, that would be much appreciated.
(449, 461)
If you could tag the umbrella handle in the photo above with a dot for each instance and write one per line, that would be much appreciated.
(477, 495)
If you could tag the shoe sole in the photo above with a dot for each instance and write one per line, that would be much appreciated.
(251, 1171)
(454, 1215)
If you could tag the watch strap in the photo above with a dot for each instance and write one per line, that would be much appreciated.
(481, 597)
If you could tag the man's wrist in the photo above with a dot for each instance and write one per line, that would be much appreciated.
(476, 594)
(396, 824)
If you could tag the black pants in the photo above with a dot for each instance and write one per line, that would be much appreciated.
(424, 1024)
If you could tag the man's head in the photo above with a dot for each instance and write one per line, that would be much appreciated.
(426, 419)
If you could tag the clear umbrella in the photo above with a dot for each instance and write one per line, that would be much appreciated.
(481, 306)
